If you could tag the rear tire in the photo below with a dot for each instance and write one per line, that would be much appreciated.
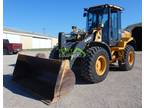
(129, 59)
(10, 52)
(54, 54)
(95, 65)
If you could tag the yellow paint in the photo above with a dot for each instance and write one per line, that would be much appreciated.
(98, 37)
(125, 38)
(100, 65)
(131, 58)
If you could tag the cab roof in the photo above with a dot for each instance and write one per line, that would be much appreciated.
(114, 7)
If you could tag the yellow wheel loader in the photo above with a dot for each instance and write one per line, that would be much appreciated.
(86, 53)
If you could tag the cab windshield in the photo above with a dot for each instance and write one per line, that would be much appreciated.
(96, 18)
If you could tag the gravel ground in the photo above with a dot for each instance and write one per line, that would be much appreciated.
(119, 90)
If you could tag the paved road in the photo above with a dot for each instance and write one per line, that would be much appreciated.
(119, 90)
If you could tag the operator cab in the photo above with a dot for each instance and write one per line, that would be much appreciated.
(108, 18)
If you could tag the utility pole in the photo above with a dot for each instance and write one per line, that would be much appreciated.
(44, 30)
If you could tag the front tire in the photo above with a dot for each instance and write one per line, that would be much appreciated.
(10, 52)
(95, 66)
(54, 54)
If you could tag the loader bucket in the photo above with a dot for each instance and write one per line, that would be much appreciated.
(49, 79)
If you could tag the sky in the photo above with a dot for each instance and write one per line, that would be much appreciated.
(53, 16)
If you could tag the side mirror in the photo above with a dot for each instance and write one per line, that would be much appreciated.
(85, 9)
(85, 14)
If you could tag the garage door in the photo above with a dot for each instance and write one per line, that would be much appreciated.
(12, 38)
(41, 43)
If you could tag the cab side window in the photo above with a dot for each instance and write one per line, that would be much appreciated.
(115, 26)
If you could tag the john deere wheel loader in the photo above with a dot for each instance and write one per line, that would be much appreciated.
(87, 53)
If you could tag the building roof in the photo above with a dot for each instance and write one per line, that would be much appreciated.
(25, 33)
(132, 26)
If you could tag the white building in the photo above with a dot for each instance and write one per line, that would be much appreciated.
(29, 40)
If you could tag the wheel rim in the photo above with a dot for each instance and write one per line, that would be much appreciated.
(100, 65)
(131, 58)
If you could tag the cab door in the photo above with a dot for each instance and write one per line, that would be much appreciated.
(115, 27)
